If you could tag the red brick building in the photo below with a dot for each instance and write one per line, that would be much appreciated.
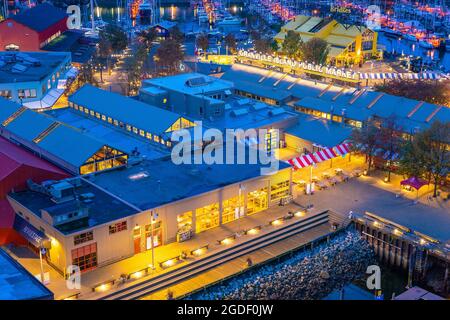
(32, 29)
(16, 167)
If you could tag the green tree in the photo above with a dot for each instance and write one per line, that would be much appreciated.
(176, 34)
(390, 140)
(134, 69)
(291, 44)
(314, 50)
(116, 36)
(169, 55)
(146, 37)
(437, 92)
(262, 45)
(230, 42)
(202, 41)
(102, 55)
(428, 152)
(366, 140)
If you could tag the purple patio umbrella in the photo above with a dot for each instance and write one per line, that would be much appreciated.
(414, 182)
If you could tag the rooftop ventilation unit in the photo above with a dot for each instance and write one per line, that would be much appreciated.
(18, 68)
(62, 192)
(239, 112)
(198, 81)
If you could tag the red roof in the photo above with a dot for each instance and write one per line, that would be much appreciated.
(12, 157)
(6, 214)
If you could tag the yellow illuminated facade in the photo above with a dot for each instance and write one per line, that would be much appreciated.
(105, 158)
(349, 44)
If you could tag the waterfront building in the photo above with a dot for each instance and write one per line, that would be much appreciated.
(349, 44)
(32, 29)
(34, 79)
(98, 219)
(16, 283)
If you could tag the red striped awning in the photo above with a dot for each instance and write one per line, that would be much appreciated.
(319, 156)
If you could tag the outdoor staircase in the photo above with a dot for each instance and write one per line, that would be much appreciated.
(186, 271)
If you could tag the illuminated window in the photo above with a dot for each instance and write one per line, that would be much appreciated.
(110, 120)
(149, 136)
(207, 217)
(142, 133)
(92, 113)
(230, 210)
(85, 257)
(184, 221)
(103, 117)
(279, 190)
(156, 138)
(135, 130)
(128, 127)
(257, 201)
(116, 123)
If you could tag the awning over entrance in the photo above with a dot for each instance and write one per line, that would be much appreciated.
(320, 156)
(33, 235)
(392, 75)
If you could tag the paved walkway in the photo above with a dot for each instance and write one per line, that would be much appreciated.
(429, 215)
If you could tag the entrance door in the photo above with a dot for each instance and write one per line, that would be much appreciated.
(137, 245)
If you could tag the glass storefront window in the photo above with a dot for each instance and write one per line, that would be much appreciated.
(229, 209)
(207, 217)
(157, 235)
(184, 221)
(279, 190)
(257, 201)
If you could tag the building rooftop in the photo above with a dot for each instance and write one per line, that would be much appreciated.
(29, 66)
(155, 183)
(190, 83)
(320, 131)
(276, 85)
(103, 209)
(16, 283)
(130, 111)
(411, 114)
(12, 157)
(116, 138)
(241, 113)
(54, 136)
(73, 41)
(40, 17)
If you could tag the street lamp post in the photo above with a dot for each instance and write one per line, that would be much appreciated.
(151, 238)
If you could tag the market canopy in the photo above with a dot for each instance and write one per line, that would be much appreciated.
(319, 156)
(414, 182)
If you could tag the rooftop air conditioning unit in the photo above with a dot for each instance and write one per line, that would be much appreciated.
(62, 191)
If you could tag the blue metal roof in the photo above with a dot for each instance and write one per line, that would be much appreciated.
(320, 131)
(29, 125)
(130, 111)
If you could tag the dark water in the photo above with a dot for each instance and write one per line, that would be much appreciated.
(393, 281)
(412, 48)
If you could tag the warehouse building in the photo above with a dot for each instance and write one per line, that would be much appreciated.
(349, 44)
(95, 220)
(138, 118)
(32, 29)
(55, 141)
(34, 79)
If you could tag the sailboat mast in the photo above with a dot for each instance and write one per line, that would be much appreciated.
(92, 16)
